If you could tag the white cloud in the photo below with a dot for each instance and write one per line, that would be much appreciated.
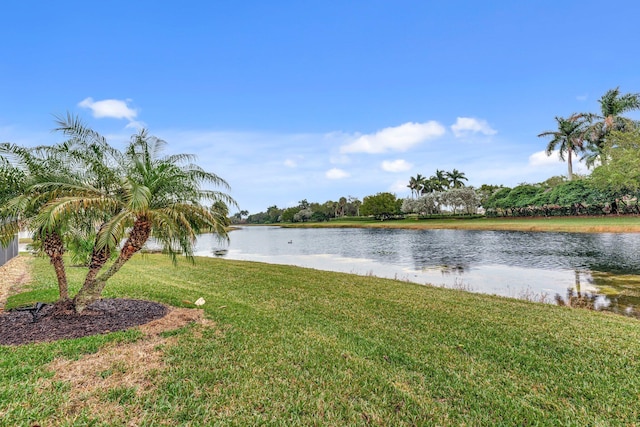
(113, 108)
(465, 126)
(540, 158)
(336, 173)
(399, 138)
(581, 97)
(396, 165)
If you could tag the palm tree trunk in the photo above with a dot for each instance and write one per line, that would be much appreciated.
(92, 290)
(54, 249)
(99, 258)
(569, 164)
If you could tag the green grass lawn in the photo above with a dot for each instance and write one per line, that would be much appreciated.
(586, 224)
(293, 346)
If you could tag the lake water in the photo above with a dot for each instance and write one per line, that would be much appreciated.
(535, 266)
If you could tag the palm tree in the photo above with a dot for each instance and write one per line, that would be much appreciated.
(416, 184)
(112, 195)
(456, 177)
(354, 204)
(439, 181)
(612, 106)
(569, 138)
(342, 205)
(159, 197)
(39, 167)
(427, 186)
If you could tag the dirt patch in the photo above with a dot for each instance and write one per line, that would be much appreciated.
(108, 383)
(48, 324)
(13, 275)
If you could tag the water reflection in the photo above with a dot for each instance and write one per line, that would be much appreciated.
(619, 293)
(535, 266)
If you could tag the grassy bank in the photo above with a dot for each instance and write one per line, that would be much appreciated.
(600, 224)
(293, 346)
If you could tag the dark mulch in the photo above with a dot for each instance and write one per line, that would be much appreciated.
(52, 323)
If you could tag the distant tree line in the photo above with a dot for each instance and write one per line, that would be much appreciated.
(607, 141)
(613, 187)
(305, 211)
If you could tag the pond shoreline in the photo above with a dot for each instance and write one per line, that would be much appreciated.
(574, 224)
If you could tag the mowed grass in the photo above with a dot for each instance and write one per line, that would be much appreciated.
(291, 346)
(585, 224)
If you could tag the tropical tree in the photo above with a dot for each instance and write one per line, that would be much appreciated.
(303, 215)
(522, 198)
(353, 206)
(25, 198)
(429, 185)
(159, 197)
(461, 198)
(496, 202)
(129, 195)
(486, 191)
(239, 217)
(288, 214)
(440, 181)
(303, 204)
(612, 106)
(568, 138)
(342, 206)
(274, 213)
(427, 204)
(416, 184)
(381, 206)
(621, 174)
(12, 181)
(455, 178)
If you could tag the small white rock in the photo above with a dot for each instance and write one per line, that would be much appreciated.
(200, 301)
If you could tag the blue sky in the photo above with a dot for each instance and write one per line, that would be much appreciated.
(289, 100)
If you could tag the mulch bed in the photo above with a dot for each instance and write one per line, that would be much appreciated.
(52, 323)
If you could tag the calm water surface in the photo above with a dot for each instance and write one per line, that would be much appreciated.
(515, 264)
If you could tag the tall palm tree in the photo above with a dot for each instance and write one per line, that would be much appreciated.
(569, 138)
(456, 177)
(439, 181)
(415, 184)
(612, 106)
(412, 186)
(427, 186)
(342, 205)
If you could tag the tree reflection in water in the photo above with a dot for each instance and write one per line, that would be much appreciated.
(617, 293)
